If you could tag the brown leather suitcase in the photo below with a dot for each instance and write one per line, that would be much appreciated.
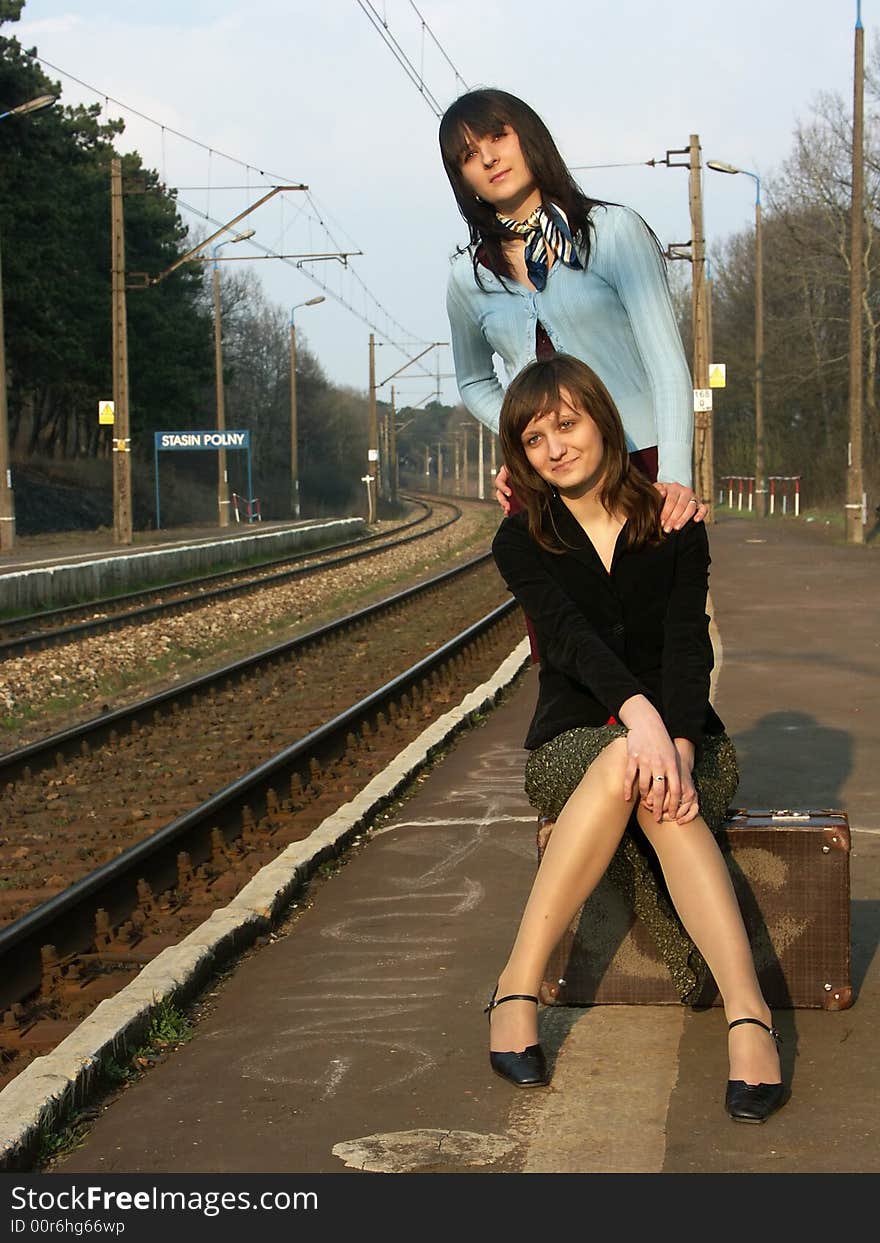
(790, 870)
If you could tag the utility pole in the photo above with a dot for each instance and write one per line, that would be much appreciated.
(222, 473)
(393, 466)
(385, 457)
(122, 532)
(7, 497)
(439, 466)
(760, 474)
(223, 507)
(294, 429)
(720, 166)
(695, 251)
(373, 388)
(481, 466)
(372, 437)
(465, 438)
(855, 496)
(710, 340)
(294, 426)
(704, 473)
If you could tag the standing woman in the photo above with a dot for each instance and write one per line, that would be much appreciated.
(549, 269)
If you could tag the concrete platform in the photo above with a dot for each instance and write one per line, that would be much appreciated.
(355, 1040)
(49, 572)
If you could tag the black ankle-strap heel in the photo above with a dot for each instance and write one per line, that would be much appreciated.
(771, 1031)
(754, 1102)
(527, 1069)
(510, 997)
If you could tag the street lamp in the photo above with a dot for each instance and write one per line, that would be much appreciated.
(32, 105)
(7, 498)
(294, 435)
(222, 477)
(760, 482)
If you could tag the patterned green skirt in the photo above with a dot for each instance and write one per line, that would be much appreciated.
(552, 774)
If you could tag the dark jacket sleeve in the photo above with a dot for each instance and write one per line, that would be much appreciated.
(687, 648)
(567, 640)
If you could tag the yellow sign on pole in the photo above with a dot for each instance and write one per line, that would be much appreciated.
(107, 412)
(717, 375)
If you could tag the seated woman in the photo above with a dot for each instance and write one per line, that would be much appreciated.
(623, 733)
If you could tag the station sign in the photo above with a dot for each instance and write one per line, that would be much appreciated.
(203, 440)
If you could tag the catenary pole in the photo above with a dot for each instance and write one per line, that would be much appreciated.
(372, 436)
(703, 456)
(122, 522)
(855, 502)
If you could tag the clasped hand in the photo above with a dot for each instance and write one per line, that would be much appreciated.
(659, 768)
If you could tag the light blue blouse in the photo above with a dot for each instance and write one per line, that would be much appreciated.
(616, 316)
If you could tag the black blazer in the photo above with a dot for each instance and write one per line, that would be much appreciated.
(642, 629)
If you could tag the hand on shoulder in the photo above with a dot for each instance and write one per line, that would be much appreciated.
(680, 506)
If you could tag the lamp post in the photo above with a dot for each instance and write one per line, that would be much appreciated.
(760, 482)
(7, 497)
(294, 434)
(222, 475)
(694, 252)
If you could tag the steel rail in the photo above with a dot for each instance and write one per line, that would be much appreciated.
(158, 852)
(41, 640)
(39, 754)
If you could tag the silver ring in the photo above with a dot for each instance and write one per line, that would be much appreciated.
(693, 501)
(659, 778)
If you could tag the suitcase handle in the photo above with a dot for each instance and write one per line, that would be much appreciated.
(785, 814)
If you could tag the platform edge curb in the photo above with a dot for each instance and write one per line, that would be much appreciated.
(52, 1086)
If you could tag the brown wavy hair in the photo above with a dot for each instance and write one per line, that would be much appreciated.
(624, 489)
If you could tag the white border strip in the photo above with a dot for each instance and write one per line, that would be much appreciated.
(59, 567)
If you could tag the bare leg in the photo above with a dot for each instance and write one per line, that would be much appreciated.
(701, 889)
(585, 836)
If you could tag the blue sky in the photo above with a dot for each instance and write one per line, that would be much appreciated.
(308, 91)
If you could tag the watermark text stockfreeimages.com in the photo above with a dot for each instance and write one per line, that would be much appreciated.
(93, 1198)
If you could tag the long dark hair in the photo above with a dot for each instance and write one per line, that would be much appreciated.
(487, 111)
(624, 489)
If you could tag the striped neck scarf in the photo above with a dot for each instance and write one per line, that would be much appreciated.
(545, 229)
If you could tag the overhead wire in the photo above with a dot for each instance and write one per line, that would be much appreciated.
(384, 31)
(438, 45)
(248, 167)
(403, 346)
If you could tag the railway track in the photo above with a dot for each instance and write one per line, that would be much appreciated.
(147, 825)
(50, 628)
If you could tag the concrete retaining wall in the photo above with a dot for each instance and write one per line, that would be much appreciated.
(53, 586)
